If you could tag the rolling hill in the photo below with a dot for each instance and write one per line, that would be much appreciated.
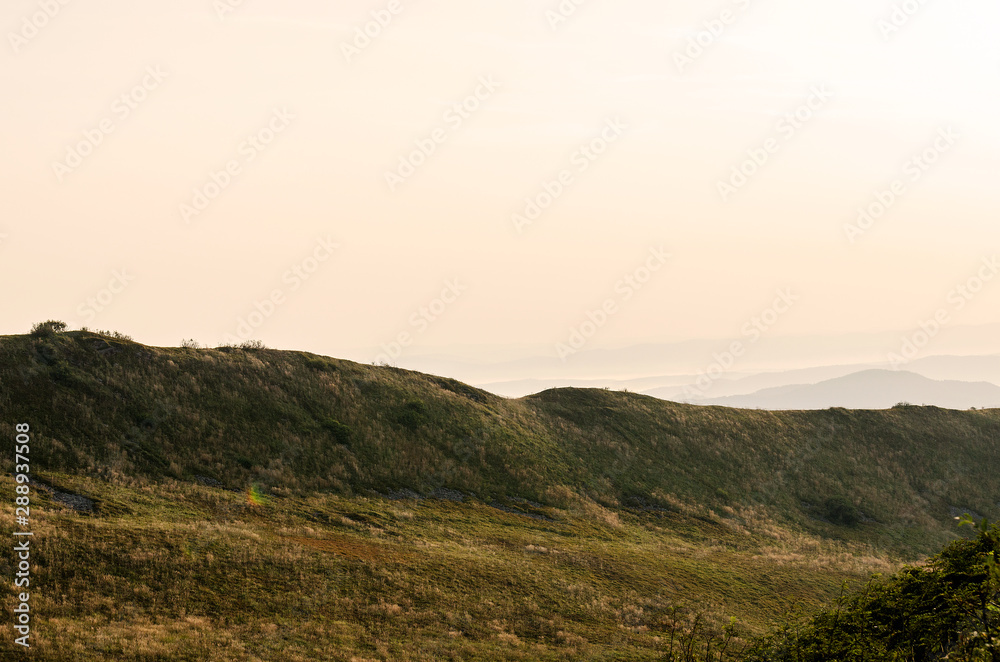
(297, 423)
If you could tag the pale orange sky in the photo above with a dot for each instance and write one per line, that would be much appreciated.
(347, 123)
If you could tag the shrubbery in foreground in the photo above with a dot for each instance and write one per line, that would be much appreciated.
(947, 609)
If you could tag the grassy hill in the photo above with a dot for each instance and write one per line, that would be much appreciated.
(297, 423)
(565, 525)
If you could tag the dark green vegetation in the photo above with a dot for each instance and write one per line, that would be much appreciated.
(572, 524)
(947, 609)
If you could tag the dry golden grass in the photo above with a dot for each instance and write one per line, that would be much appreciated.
(177, 571)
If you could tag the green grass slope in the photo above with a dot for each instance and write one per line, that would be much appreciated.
(297, 423)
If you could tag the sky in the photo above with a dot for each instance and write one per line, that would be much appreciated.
(390, 180)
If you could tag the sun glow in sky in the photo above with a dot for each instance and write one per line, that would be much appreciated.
(313, 128)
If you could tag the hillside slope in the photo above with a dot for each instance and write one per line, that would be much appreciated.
(295, 423)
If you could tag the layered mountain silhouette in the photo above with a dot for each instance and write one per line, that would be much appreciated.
(869, 389)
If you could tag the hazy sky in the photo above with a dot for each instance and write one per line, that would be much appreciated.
(117, 112)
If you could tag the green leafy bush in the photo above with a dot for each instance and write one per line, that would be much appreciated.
(946, 609)
(338, 430)
(840, 510)
(412, 415)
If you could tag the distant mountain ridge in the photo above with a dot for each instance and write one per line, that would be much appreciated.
(669, 385)
(869, 389)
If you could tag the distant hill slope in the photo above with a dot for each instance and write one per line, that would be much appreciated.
(734, 384)
(870, 389)
(295, 422)
(961, 368)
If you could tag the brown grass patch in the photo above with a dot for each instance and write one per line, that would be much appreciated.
(355, 550)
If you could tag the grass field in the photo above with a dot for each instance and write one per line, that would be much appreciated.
(172, 570)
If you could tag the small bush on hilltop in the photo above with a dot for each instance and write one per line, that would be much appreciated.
(47, 328)
(117, 335)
